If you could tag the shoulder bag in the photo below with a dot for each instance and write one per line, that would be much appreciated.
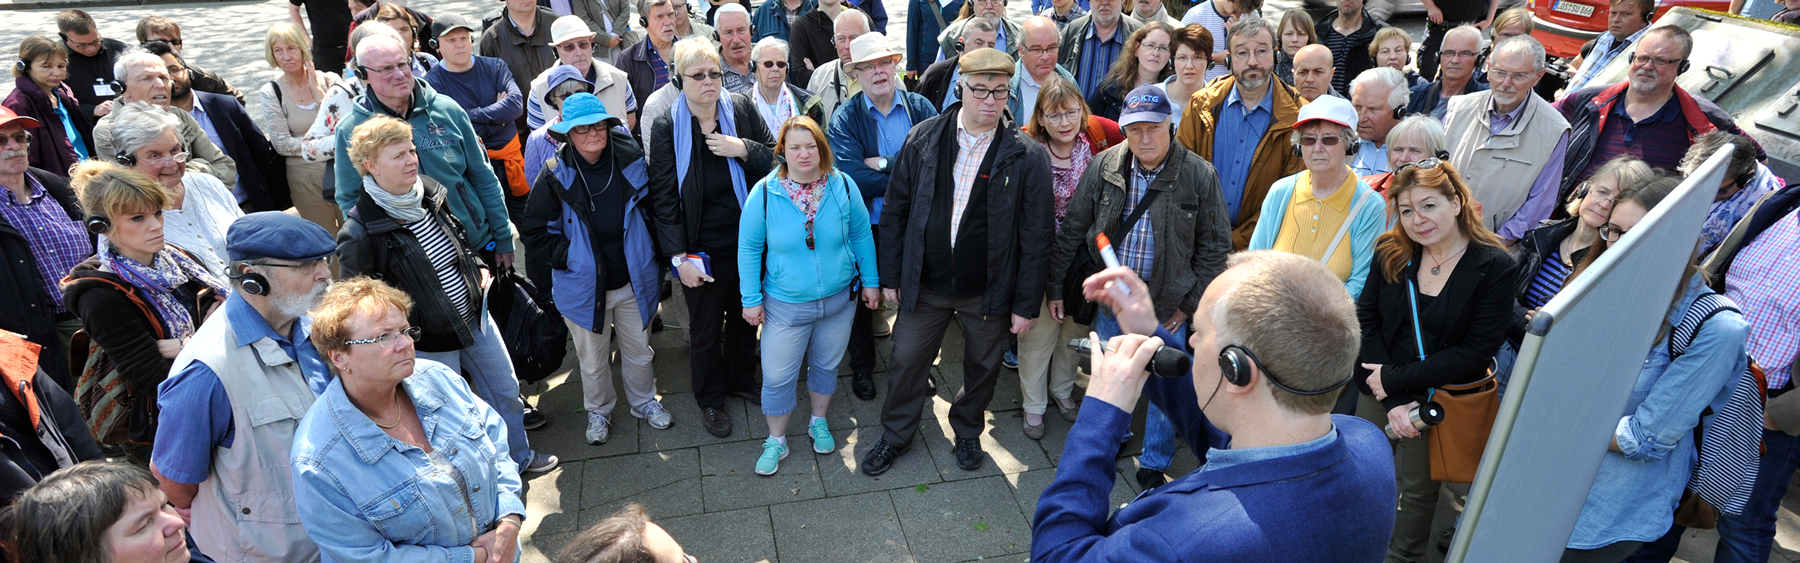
(1469, 409)
(1075, 304)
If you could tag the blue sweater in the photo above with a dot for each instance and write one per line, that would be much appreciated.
(842, 243)
(1331, 503)
(478, 92)
(770, 18)
(922, 31)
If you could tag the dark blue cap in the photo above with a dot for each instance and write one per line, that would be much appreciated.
(273, 234)
(1145, 104)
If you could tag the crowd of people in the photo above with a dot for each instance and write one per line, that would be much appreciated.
(304, 276)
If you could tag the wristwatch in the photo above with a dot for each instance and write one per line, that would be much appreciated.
(882, 164)
(675, 261)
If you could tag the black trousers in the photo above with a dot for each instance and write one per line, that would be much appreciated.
(917, 337)
(721, 346)
(862, 332)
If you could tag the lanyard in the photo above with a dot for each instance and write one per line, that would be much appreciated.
(1418, 338)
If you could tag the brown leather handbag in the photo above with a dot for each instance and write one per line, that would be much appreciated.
(1457, 442)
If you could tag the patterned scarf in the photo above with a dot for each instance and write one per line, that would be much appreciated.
(168, 269)
(806, 196)
(1725, 214)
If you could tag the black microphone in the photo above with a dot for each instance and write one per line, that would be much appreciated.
(1168, 361)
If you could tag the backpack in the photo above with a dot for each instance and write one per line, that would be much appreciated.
(1730, 448)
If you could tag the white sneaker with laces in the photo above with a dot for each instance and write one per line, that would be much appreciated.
(599, 429)
(654, 413)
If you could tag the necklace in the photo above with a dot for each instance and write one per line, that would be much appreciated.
(1052, 151)
(1440, 263)
(396, 422)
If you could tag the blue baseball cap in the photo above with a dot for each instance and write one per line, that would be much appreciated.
(273, 234)
(581, 109)
(1145, 104)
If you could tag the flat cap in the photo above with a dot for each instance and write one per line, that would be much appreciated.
(273, 234)
(985, 61)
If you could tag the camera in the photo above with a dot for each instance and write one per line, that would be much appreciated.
(1168, 362)
(1422, 417)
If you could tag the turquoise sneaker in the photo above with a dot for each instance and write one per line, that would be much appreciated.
(773, 452)
(821, 437)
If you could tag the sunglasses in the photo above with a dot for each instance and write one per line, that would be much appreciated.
(23, 138)
(774, 64)
(1329, 141)
(1427, 164)
(705, 76)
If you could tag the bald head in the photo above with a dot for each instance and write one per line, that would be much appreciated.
(1040, 48)
(1313, 71)
(1039, 27)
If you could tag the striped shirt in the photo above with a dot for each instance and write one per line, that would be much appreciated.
(57, 242)
(970, 150)
(441, 250)
(1340, 46)
(1137, 249)
(661, 67)
(1606, 48)
(1097, 56)
(1766, 286)
(1548, 281)
(1659, 140)
(1208, 15)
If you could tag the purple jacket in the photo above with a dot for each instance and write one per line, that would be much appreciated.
(50, 146)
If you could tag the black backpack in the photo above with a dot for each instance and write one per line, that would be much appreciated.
(536, 338)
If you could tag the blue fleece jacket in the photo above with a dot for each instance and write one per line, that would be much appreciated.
(843, 244)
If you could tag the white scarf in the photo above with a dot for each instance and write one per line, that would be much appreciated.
(404, 208)
(777, 112)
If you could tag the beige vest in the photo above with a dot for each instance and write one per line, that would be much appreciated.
(1500, 168)
(245, 509)
(609, 86)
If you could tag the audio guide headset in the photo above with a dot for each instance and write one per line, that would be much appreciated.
(98, 224)
(674, 77)
(1400, 113)
(362, 73)
(1350, 147)
(125, 159)
(1442, 154)
(252, 283)
(23, 65)
(1685, 65)
(1236, 363)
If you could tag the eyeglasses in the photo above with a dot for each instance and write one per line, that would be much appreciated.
(387, 70)
(171, 42)
(1611, 233)
(998, 94)
(176, 69)
(1661, 63)
(1071, 116)
(166, 160)
(23, 138)
(991, 2)
(1608, 194)
(774, 64)
(1154, 48)
(705, 76)
(1449, 54)
(585, 129)
(1328, 140)
(1497, 75)
(577, 46)
(411, 333)
(1041, 51)
(81, 46)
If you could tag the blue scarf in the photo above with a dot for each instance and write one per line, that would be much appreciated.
(684, 143)
(168, 269)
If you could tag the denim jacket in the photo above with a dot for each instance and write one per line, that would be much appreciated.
(383, 500)
(1635, 492)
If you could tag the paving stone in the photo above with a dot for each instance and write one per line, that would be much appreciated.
(625, 477)
(846, 412)
(1030, 485)
(962, 520)
(1008, 450)
(729, 479)
(566, 433)
(681, 498)
(542, 548)
(671, 362)
(841, 471)
(848, 529)
(737, 535)
(553, 501)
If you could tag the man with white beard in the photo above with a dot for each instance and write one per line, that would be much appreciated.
(238, 390)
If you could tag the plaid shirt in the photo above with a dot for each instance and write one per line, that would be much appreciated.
(1766, 286)
(970, 150)
(57, 243)
(1138, 249)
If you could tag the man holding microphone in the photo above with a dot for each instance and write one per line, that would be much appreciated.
(1275, 338)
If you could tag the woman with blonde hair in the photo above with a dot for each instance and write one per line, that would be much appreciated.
(290, 105)
(1434, 311)
(1392, 48)
(139, 298)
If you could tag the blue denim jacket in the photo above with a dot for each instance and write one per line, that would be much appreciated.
(378, 499)
(1635, 493)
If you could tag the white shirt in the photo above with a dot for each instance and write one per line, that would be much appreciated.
(199, 226)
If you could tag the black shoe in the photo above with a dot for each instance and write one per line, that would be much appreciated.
(880, 458)
(713, 418)
(864, 385)
(1148, 478)
(656, 323)
(534, 418)
(968, 453)
(752, 397)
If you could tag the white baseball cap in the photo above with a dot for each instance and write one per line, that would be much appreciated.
(1328, 108)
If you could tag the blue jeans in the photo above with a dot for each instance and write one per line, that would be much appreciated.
(1749, 536)
(788, 328)
(1159, 433)
(490, 369)
(1503, 365)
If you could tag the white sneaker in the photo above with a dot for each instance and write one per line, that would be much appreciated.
(654, 413)
(599, 429)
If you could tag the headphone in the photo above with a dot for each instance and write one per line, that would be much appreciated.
(1400, 113)
(116, 86)
(674, 77)
(1350, 147)
(1685, 65)
(98, 224)
(1442, 154)
(362, 73)
(431, 43)
(252, 282)
(125, 159)
(1235, 364)
(23, 65)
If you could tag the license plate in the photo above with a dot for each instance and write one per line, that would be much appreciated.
(1571, 8)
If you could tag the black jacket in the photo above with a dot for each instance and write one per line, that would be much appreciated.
(261, 170)
(809, 40)
(373, 243)
(86, 72)
(635, 61)
(678, 211)
(119, 318)
(29, 310)
(58, 424)
(935, 81)
(1020, 215)
(1107, 100)
(1536, 246)
(1471, 314)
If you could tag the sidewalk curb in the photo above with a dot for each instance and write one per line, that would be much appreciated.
(16, 5)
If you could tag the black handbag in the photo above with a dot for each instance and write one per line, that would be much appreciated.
(1075, 304)
(536, 338)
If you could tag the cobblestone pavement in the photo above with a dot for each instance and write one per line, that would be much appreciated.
(818, 508)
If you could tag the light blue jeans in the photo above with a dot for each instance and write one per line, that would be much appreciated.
(1159, 433)
(788, 329)
(490, 368)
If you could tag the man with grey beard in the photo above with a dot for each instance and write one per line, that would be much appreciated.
(1647, 116)
(238, 390)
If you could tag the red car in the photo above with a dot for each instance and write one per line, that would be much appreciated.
(1564, 25)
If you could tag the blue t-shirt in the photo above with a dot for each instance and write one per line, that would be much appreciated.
(1235, 139)
(184, 444)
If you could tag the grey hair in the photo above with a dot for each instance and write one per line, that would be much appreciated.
(1743, 154)
(139, 123)
(770, 42)
(1523, 44)
(868, 24)
(732, 8)
(644, 6)
(1249, 25)
(1421, 125)
(1348, 134)
(1398, 93)
(1678, 34)
(978, 24)
(357, 38)
(1466, 29)
(1293, 314)
(133, 58)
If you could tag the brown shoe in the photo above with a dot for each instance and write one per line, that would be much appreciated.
(714, 420)
(1034, 432)
(1069, 409)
